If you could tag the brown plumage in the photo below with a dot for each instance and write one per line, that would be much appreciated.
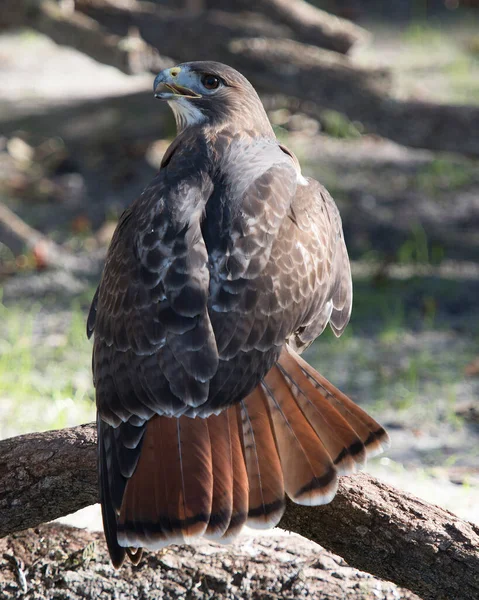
(263, 465)
(240, 480)
(211, 476)
(222, 466)
(309, 473)
(226, 267)
(169, 497)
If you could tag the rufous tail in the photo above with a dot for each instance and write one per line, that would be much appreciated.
(294, 434)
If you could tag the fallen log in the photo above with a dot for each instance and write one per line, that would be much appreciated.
(304, 22)
(323, 80)
(377, 528)
(309, 24)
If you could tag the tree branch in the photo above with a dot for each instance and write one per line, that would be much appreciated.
(374, 526)
(44, 476)
(46, 251)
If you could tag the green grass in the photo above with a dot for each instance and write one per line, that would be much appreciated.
(432, 58)
(337, 125)
(445, 174)
(44, 372)
(421, 33)
(398, 356)
(407, 382)
(416, 249)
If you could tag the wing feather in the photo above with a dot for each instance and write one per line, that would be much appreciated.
(206, 278)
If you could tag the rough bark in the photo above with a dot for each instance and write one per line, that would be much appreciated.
(375, 527)
(46, 475)
(309, 24)
(56, 562)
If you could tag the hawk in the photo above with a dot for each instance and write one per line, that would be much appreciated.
(228, 265)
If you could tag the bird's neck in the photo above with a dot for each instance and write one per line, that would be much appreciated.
(254, 122)
(186, 115)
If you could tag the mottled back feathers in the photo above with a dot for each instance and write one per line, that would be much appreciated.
(227, 264)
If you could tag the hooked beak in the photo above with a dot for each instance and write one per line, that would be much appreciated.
(165, 89)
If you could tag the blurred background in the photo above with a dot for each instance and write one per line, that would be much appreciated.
(380, 102)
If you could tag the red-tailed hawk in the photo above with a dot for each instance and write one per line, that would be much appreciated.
(227, 266)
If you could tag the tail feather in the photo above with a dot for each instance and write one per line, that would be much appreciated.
(222, 503)
(240, 480)
(341, 440)
(108, 510)
(266, 485)
(374, 437)
(196, 476)
(144, 518)
(169, 497)
(309, 474)
(134, 555)
(209, 477)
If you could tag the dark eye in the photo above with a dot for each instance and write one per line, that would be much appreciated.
(211, 82)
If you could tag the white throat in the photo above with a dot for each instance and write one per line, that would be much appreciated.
(186, 113)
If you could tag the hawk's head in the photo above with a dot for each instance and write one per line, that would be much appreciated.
(211, 93)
